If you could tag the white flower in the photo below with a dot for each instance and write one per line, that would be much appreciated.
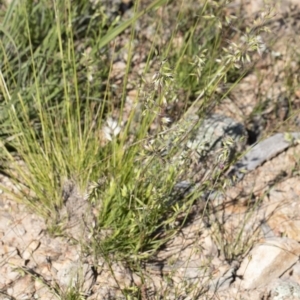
(90, 77)
(166, 120)
(261, 46)
(112, 129)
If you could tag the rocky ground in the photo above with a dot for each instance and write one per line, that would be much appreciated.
(257, 216)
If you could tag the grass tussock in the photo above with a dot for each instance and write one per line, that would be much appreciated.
(66, 115)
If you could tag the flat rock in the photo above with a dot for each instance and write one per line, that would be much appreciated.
(263, 151)
(258, 181)
(268, 261)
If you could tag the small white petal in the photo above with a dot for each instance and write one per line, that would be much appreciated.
(116, 131)
(166, 120)
(107, 133)
(110, 122)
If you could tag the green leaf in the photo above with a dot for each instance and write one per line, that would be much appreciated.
(111, 34)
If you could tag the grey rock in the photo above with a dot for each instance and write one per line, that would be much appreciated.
(205, 138)
(214, 130)
(263, 151)
(280, 289)
(207, 135)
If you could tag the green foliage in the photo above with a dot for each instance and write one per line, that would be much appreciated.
(59, 107)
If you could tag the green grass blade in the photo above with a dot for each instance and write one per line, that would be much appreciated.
(111, 34)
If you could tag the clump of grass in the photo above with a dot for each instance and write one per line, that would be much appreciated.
(53, 109)
(59, 114)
